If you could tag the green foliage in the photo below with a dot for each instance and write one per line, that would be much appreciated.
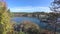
(4, 21)
(21, 32)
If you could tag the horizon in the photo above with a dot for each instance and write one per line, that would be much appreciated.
(29, 5)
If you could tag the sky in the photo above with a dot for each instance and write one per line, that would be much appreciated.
(29, 5)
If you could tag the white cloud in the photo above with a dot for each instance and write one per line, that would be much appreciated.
(30, 9)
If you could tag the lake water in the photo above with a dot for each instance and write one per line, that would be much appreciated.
(34, 20)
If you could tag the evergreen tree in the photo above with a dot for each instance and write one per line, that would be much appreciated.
(5, 25)
(55, 6)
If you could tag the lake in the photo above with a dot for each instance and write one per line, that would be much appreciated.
(36, 21)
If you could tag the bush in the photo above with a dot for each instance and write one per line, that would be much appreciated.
(30, 27)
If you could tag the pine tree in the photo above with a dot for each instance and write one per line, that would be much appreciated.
(5, 25)
(55, 6)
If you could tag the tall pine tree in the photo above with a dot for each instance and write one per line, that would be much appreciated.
(5, 25)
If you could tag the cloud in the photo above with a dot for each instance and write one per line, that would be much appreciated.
(29, 9)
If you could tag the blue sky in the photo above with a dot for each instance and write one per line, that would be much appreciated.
(29, 5)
